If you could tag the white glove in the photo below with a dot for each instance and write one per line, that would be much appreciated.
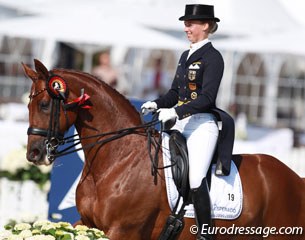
(148, 107)
(166, 114)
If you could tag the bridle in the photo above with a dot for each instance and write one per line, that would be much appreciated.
(33, 130)
(54, 138)
(57, 90)
(52, 134)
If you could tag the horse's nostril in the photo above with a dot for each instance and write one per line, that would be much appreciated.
(34, 153)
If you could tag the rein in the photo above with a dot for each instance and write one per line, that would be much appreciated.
(153, 143)
(54, 138)
(113, 136)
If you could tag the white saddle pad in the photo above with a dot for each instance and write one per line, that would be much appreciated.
(226, 191)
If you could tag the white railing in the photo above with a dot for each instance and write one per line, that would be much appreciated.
(295, 159)
(22, 202)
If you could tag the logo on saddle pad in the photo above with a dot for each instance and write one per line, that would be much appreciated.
(225, 193)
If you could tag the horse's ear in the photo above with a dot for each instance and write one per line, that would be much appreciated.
(41, 69)
(29, 72)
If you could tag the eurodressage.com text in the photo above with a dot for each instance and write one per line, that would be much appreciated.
(235, 230)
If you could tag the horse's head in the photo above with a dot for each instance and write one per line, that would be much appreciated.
(48, 116)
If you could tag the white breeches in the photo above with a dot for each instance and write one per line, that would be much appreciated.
(201, 133)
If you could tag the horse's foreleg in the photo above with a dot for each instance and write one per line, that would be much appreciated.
(79, 222)
(118, 233)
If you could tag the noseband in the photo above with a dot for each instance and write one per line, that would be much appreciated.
(40, 132)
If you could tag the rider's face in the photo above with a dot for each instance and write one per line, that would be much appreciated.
(196, 30)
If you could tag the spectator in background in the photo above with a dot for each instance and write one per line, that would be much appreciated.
(105, 71)
(155, 80)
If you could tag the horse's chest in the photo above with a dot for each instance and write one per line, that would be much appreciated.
(92, 202)
(86, 197)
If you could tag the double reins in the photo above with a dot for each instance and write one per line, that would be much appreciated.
(54, 138)
(113, 135)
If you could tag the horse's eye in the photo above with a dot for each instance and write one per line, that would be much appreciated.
(44, 105)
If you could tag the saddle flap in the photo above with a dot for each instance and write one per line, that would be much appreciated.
(179, 160)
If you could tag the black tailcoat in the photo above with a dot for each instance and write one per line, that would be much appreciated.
(195, 89)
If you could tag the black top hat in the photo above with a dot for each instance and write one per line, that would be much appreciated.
(199, 12)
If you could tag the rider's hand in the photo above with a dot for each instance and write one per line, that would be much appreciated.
(166, 114)
(148, 107)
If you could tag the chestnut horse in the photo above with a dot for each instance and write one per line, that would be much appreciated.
(117, 192)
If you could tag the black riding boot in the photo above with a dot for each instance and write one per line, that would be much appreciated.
(201, 202)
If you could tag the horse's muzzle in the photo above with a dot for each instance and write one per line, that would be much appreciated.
(36, 152)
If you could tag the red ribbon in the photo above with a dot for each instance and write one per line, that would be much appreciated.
(80, 101)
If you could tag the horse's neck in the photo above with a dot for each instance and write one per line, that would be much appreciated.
(110, 110)
(103, 159)
(111, 114)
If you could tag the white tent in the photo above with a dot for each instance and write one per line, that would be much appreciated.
(249, 26)
(130, 22)
(90, 30)
(93, 21)
(251, 18)
(87, 25)
(262, 26)
(286, 42)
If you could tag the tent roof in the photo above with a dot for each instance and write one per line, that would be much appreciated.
(289, 42)
(89, 22)
(259, 25)
(93, 30)
(254, 17)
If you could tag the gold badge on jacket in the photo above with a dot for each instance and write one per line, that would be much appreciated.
(192, 86)
(193, 95)
(192, 75)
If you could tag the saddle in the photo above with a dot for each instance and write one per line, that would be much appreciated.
(180, 163)
(180, 170)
